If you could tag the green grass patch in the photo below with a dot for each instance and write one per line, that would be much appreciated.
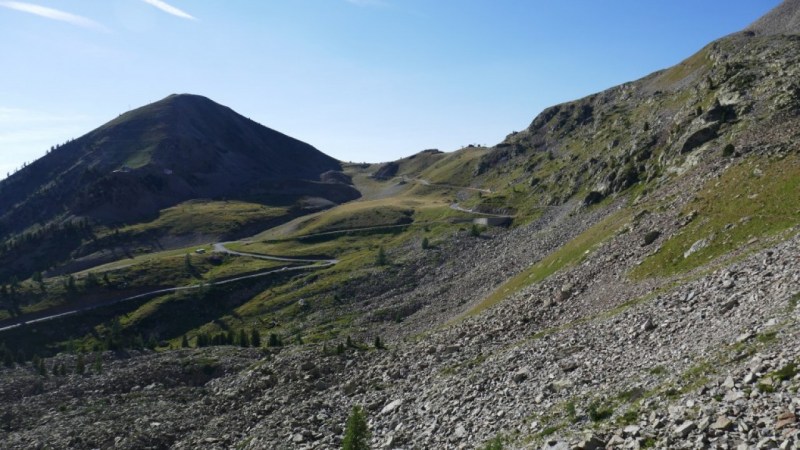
(754, 199)
(698, 63)
(658, 371)
(599, 411)
(213, 218)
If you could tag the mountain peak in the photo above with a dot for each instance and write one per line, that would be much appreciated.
(783, 19)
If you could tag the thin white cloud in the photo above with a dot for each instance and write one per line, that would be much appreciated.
(54, 14)
(169, 9)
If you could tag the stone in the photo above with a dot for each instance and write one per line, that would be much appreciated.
(784, 420)
(722, 423)
(685, 429)
(732, 396)
(521, 375)
(631, 430)
(450, 349)
(729, 383)
(568, 365)
(729, 305)
(592, 442)
(391, 406)
(696, 247)
(460, 432)
(556, 445)
(615, 442)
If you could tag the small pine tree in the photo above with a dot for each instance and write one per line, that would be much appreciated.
(475, 231)
(243, 340)
(152, 342)
(425, 243)
(39, 279)
(38, 365)
(138, 342)
(274, 340)
(356, 434)
(90, 281)
(340, 349)
(255, 338)
(80, 364)
(72, 288)
(381, 259)
(184, 342)
(97, 365)
(378, 343)
(187, 264)
(106, 280)
(8, 356)
(350, 342)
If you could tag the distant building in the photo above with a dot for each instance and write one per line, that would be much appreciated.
(493, 221)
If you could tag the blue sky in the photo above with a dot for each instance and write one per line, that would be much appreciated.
(362, 80)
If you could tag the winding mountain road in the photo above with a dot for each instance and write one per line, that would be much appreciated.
(312, 263)
(425, 182)
(220, 247)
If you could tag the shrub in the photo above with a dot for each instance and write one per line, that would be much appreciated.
(494, 444)
(728, 150)
(650, 237)
(425, 243)
(787, 372)
(598, 412)
(572, 413)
